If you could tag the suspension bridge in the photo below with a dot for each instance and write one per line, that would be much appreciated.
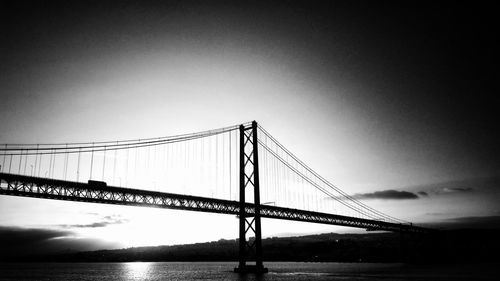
(239, 170)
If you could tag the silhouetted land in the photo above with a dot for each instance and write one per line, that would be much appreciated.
(458, 246)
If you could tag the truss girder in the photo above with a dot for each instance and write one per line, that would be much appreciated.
(74, 191)
(18, 185)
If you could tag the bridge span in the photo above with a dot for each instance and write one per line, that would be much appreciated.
(26, 186)
(221, 159)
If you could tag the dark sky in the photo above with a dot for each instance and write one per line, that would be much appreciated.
(430, 65)
(395, 96)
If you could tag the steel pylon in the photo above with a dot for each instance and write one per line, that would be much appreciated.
(249, 219)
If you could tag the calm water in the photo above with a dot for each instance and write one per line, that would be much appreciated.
(223, 271)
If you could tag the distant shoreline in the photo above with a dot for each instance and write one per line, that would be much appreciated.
(454, 247)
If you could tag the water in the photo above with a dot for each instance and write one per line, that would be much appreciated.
(178, 271)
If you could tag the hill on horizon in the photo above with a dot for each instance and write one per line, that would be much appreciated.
(455, 246)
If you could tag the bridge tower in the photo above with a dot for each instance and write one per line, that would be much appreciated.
(249, 217)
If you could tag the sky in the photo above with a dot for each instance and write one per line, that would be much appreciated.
(395, 103)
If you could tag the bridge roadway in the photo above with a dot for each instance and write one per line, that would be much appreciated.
(26, 186)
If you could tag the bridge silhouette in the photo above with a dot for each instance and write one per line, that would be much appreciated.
(230, 170)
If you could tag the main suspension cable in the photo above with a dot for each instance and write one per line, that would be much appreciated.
(344, 194)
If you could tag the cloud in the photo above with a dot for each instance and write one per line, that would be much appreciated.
(106, 220)
(423, 194)
(456, 189)
(17, 242)
(486, 185)
(476, 219)
(90, 225)
(28, 235)
(389, 194)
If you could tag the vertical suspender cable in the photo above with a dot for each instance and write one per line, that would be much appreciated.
(275, 181)
(26, 161)
(163, 164)
(54, 164)
(303, 190)
(277, 184)
(78, 165)
(135, 162)
(230, 176)
(203, 164)
(216, 165)
(66, 162)
(91, 160)
(49, 171)
(223, 165)
(199, 169)
(10, 162)
(209, 159)
(40, 166)
(265, 172)
(104, 163)
(114, 165)
(3, 160)
(20, 161)
(36, 159)
(296, 180)
(167, 168)
(316, 199)
(126, 169)
(50, 163)
(286, 174)
(270, 195)
(187, 163)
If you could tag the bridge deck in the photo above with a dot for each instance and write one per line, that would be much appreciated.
(19, 185)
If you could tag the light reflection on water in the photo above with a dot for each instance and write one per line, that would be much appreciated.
(278, 271)
(136, 270)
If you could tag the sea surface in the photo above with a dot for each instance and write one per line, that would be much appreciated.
(292, 271)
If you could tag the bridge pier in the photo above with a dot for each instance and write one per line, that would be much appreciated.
(248, 222)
